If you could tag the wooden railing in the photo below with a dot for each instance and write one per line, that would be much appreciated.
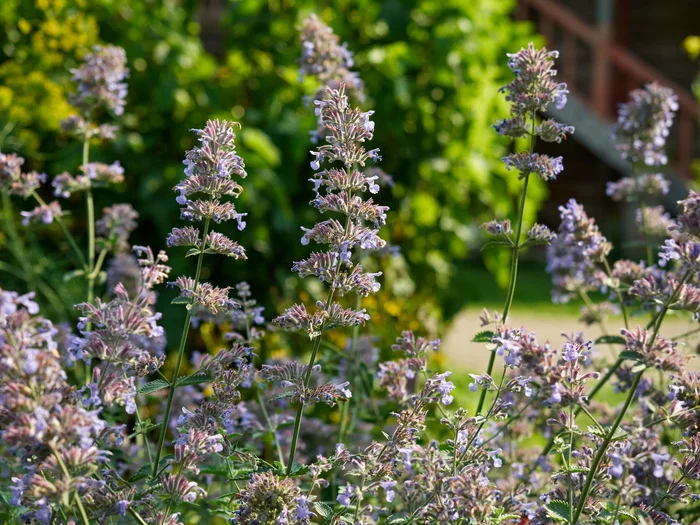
(605, 64)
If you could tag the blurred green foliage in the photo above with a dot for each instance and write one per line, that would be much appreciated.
(432, 70)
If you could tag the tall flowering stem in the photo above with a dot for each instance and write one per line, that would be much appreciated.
(338, 190)
(209, 171)
(530, 92)
(640, 134)
(649, 351)
(100, 86)
(89, 201)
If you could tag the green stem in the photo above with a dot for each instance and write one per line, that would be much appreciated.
(15, 244)
(590, 305)
(623, 309)
(90, 203)
(645, 234)
(664, 309)
(603, 449)
(180, 354)
(511, 420)
(98, 264)
(511, 284)
(136, 516)
(608, 438)
(352, 372)
(278, 447)
(686, 334)
(78, 501)
(359, 499)
(513, 263)
(312, 360)
(300, 408)
(69, 236)
(143, 437)
(568, 461)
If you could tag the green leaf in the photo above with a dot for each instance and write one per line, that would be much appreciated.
(72, 275)
(323, 509)
(298, 469)
(238, 474)
(629, 515)
(638, 368)
(618, 435)
(611, 340)
(395, 519)
(558, 510)
(483, 337)
(193, 251)
(194, 379)
(143, 428)
(631, 355)
(153, 386)
(146, 471)
(181, 300)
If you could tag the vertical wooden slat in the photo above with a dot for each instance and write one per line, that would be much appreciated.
(522, 11)
(568, 56)
(600, 89)
(600, 80)
(613, 65)
(685, 142)
(547, 28)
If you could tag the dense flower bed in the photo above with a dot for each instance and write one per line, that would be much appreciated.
(95, 429)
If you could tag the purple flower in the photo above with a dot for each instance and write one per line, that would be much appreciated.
(303, 512)
(122, 507)
(643, 124)
(572, 256)
(101, 80)
(345, 495)
(388, 487)
(570, 352)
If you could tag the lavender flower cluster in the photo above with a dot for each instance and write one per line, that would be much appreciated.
(99, 423)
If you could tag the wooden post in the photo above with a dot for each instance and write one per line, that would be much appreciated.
(568, 56)
(600, 88)
(521, 11)
(685, 142)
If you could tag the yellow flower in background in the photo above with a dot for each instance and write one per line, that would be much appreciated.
(46, 39)
(692, 46)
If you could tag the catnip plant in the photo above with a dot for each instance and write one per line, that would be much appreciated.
(97, 426)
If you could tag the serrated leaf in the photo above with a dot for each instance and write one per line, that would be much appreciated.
(323, 509)
(558, 510)
(298, 469)
(628, 514)
(611, 340)
(483, 337)
(194, 379)
(396, 518)
(181, 300)
(143, 428)
(240, 474)
(145, 471)
(192, 251)
(618, 435)
(631, 355)
(153, 386)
